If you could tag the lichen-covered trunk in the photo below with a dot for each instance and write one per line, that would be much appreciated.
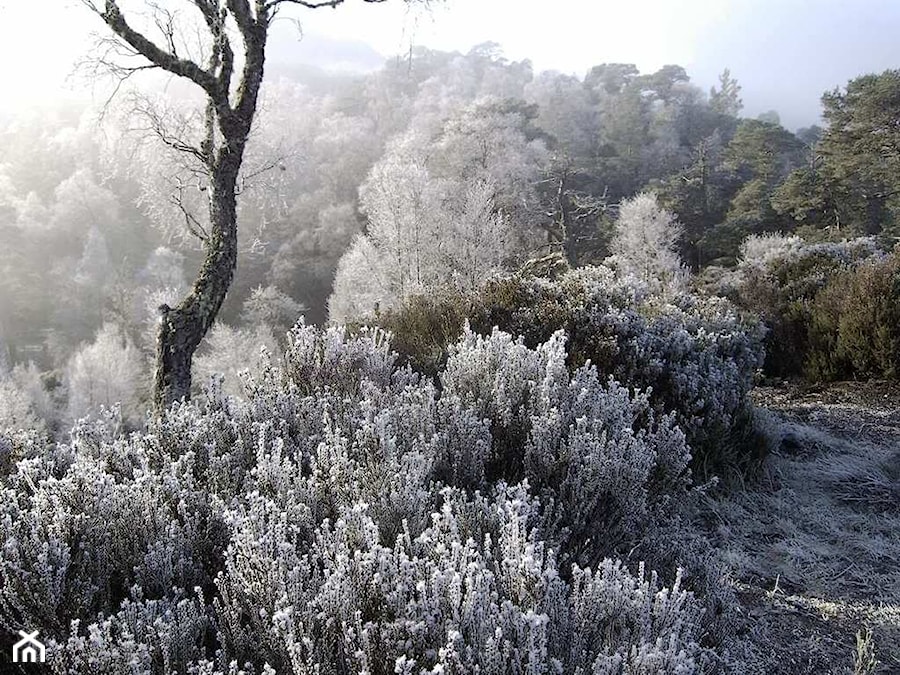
(183, 327)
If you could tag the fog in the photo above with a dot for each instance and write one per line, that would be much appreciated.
(787, 53)
(784, 53)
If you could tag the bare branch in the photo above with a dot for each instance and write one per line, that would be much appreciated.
(111, 62)
(277, 163)
(311, 4)
(112, 17)
(165, 22)
(194, 226)
(172, 135)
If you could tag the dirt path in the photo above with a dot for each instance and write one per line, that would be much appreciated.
(815, 544)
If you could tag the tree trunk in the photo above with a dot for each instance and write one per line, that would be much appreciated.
(184, 326)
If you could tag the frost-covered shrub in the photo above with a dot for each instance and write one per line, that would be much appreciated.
(75, 544)
(475, 591)
(335, 360)
(645, 243)
(694, 355)
(759, 251)
(697, 356)
(144, 636)
(798, 268)
(604, 464)
(268, 306)
(352, 516)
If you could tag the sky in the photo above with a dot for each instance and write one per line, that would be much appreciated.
(785, 53)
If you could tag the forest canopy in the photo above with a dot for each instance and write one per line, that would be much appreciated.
(528, 162)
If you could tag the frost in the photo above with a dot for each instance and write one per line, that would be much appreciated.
(347, 515)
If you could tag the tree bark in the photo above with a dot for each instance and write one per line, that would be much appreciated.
(183, 327)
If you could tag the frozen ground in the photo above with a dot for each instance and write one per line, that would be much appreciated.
(815, 544)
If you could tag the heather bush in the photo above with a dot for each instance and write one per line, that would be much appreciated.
(19, 444)
(144, 636)
(475, 591)
(694, 356)
(350, 515)
(779, 278)
(85, 522)
(595, 452)
(760, 251)
(854, 327)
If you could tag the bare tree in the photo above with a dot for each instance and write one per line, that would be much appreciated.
(231, 87)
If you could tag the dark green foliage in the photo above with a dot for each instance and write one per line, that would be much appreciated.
(727, 190)
(760, 150)
(854, 328)
(781, 297)
(727, 98)
(805, 197)
(850, 182)
(424, 326)
(699, 195)
(832, 309)
(720, 245)
(758, 158)
(861, 147)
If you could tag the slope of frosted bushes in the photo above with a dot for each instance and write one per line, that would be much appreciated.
(349, 517)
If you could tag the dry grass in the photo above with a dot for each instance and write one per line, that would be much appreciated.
(815, 544)
(864, 661)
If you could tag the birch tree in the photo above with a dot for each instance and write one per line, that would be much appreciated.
(645, 242)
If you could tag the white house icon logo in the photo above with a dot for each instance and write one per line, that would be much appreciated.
(28, 649)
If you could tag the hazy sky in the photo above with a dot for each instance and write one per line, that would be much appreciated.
(785, 53)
